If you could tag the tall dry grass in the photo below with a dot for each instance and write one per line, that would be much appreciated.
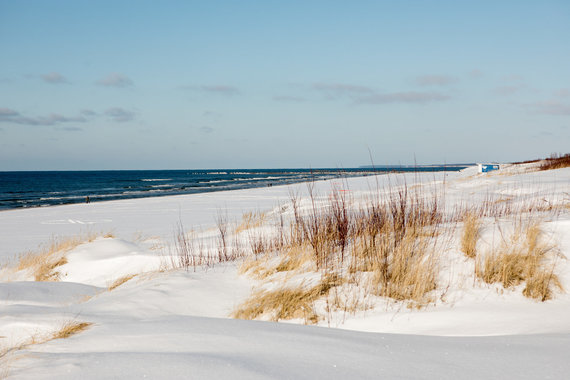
(44, 263)
(524, 256)
(190, 251)
(251, 220)
(387, 245)
(471, 234)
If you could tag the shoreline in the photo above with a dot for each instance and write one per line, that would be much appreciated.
(44, 189)
(193, 210)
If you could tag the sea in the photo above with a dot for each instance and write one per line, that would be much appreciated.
(50, 188)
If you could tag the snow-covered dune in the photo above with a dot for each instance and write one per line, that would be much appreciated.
(150, 321)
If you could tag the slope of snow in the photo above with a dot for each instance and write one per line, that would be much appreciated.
(174, 324)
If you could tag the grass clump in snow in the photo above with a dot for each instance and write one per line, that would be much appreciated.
(287, 302)
(120, 281)
(386, 247)
(470, 235)
(189, 251)
(43, 264)
(524, 256)
(70, 328)
(406, 272)
(251, 220)
(293, 259)
(66, 330)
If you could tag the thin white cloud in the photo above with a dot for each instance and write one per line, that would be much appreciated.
(54, 78)
(412, 97)
(219, 89)
(119, 115)
(562, 93)
(288, 99)
(212, 114)
(550, 107)
(11, 116)
(339, 90)
(115, 80)
(435, 80)
(508, 90)
(206, 129)
(88, 113)
(512, 78)
(7, 112)
(475, 73)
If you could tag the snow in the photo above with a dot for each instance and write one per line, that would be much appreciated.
(167, 324)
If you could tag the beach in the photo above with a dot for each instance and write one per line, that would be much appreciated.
(139, 311)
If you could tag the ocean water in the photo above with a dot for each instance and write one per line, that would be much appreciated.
(50, 188)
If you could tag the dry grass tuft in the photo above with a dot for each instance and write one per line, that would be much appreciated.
(43, 264)
(540, 285)
(407, 272)
(524, 257)
(294, 259)
(257, 267)
(387, 247)
(66, 330)
(287, 302)
(251, 220)
(120, 281)
(261, 267)
(471, 234)
(70, 328)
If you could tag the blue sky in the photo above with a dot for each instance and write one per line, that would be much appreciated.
(268, 84)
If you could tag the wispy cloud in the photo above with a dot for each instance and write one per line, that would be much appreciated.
(339, 90)
(512, 78)
(8, 115)
(508, 90)
(435, 80)
(115, 80)
(475, 73)
(54, 78)
(288, 99)
(206, 129)
(413, 97)
(219, 89)
(88, 113)
(72, 129)
(212, 114)
(550, 107)
(7, 112)
(120, 115)
(367, 95)
(562, 93)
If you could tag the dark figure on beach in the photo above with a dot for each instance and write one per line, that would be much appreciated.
(87, 199)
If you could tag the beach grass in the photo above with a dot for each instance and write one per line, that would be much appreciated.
(44, 263)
